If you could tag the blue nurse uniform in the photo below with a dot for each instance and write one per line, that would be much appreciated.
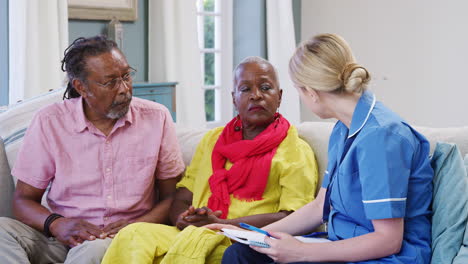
(379, 168)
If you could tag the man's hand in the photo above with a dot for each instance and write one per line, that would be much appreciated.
(72, 232)
(198, 217)
(111, 229)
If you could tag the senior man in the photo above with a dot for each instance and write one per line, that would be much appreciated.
(108, 158)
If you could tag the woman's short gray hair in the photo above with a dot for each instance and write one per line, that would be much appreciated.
(258, 60)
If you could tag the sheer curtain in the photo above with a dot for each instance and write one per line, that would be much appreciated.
(281, 44)
(174, 56)
(38, 35)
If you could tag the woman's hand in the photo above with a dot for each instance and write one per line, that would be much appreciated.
(221, 226)
(284, 248)
(181, 223)
(203, 216)
(198, 217)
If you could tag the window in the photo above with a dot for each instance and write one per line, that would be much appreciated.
(3, 53)
(215, 42)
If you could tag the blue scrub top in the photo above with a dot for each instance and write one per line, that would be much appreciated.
(378, 169)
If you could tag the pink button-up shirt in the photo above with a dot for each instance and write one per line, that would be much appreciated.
(93, 177)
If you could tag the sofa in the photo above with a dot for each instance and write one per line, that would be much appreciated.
(15, 119)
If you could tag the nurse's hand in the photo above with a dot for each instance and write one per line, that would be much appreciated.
(221, 226)
(284, 248)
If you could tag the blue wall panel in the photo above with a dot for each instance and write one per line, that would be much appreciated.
(249, 29)
(135, 45)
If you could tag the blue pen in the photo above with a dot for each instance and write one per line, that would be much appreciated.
(253, 228)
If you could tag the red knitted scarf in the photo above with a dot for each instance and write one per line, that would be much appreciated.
(251, 160)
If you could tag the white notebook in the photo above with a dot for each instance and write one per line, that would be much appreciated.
(258, 239)
(246, 237)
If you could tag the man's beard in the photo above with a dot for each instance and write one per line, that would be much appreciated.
(119, 108)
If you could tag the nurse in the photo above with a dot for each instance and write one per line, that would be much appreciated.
(377, 189)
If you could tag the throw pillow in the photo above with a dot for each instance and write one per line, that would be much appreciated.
(450, 207)
(16, 120)
(462, 256)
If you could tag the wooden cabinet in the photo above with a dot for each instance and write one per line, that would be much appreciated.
(163, 93)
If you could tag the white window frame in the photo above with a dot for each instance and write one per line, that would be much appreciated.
(223, 108)
(4, 62)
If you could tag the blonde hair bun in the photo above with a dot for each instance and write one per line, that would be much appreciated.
(354, 78)
(326, 63)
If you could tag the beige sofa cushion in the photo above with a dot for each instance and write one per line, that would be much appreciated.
(316, 134)
(188, 140)
(456, 135)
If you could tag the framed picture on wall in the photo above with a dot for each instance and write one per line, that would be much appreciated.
(123, 10)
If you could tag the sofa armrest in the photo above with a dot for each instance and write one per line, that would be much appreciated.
(7, 186)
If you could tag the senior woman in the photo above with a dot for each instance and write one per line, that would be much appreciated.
(254, 170)
(377, 189)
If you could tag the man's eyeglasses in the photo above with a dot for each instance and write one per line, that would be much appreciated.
(112, 84)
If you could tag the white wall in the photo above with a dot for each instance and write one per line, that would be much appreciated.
(416, 51)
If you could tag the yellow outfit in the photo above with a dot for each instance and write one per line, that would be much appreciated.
(291, 184)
